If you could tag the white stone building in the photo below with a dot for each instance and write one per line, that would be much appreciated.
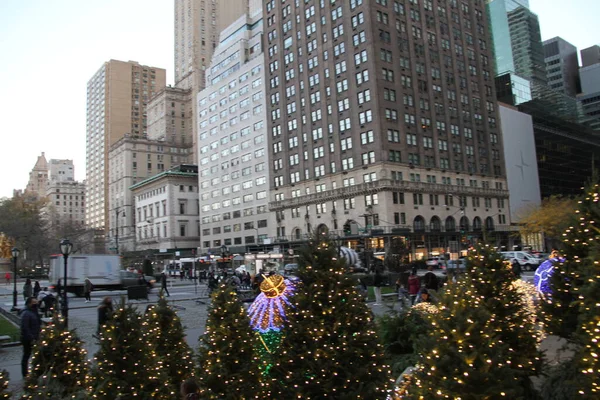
(233, 155)
(166, 210)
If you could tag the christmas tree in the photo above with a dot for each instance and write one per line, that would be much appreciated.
(4, 393)
(329, 345)
(229, 368)
(582, 284)
(483, 343)
(59, 363)
(163, 330)
(125, 366)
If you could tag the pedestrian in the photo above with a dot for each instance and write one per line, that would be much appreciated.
(87, 290)
(516, 268)
(30, 331)
(181, 274)
(7, 278)
(431, 280)
(189, 390)
(414, 284)
(36, 289)
(163, 284)
(377, 284)
(105, 311)
(27, 289)
(46, 301)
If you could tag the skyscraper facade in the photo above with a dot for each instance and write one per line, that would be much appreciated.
(197, 27)
(562, 65)
(233, 152)
(526, 43)
(117, 95)
(383, 115)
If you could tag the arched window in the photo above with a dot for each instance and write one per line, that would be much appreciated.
(489, 224)
(476, 224)
(450, 224)
(419, 223)
(297, 233)
(322, 229)
(464, 223)
(435, 224)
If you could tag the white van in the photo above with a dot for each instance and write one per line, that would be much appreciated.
(527, 261)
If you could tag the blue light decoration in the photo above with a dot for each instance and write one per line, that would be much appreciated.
(268, 311)
(268, 316)
(543, 273)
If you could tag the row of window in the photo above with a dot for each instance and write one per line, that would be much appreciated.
(246, 212)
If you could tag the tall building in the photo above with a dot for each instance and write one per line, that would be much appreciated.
(117, 95)
(61, 170)
(38, 178)
(510, 87)
(589, 74)
(170, 117)
(66, 202)
(132, 159)
(590, 56)
(197, 27)
(383, 118)
(527, 48)
(562, 65)
(233, 152)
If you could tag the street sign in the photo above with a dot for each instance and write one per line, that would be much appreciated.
(112, 248)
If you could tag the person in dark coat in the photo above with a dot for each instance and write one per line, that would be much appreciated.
(431, 280)
(163, 284)
(36, 289)
(27, 289)
(30, 331)
(190, 390)
(516, 268)
(105, 311)
(87, 290)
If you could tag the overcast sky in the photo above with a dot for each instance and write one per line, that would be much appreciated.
(51, 48)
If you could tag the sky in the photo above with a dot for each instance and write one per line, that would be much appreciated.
(50, 49)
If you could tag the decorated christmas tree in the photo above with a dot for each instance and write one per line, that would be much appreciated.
(229, 368)
(582, 285)
(126, 366)
(4, 393)
(59, 364)
(329, 345)
(483, 343)
(163, 330)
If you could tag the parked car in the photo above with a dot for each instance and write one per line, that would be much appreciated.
(456, 265)
(527, 261)
(436, 262)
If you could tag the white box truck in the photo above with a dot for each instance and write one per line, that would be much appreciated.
(104, 271)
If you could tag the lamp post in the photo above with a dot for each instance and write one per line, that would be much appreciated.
(117, 215)
(65, 248)
(15, 255)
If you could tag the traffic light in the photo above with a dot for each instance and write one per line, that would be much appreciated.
(347, 228)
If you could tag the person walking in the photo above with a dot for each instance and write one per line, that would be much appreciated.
(431, 280)
(163, 284)
(105, 311)
(36, 289)
(516, 268)
(27, 289)
(87, 290)
(414, 285)
(377, 284)
(30, 331)
(7, 278)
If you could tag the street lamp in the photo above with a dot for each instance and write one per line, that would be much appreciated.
(15, 255)
(65, 248)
